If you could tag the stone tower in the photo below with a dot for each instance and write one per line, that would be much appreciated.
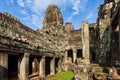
(68, 26)
(53, 17)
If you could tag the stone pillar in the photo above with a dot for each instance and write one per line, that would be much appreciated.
(74, 55)
(119, 30)
(42, 67)
(52, 66)
(35, 66)
(19, 63)
(24, 67)
(85, 42)
(66, 56)
(3, 66)
(59, 65)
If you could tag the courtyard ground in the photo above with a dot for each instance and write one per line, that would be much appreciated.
(63, 76)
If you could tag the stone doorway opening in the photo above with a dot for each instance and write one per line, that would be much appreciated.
(70, 54)
(79, 53)
(93, 56)
(115, 43)
(33, 65)
(47, 65)
(30, 65)
(13, 67)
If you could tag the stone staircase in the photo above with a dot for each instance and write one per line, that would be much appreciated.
(97, 72)
(96, 68)
(89, 72)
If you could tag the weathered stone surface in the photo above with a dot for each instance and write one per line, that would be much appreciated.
(68, 27)
(53, 16)
(24, 67)
(35, 66)
(114, 73)
(3, 66)
(85, 42)
(99, 42)
(106, 38)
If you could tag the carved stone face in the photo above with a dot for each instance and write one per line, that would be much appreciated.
(53, 16)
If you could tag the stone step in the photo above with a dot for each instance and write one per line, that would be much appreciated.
(37, 78)
(94, 65)
(96, 69)
(34, 75)
(100, 76)
(82, 76)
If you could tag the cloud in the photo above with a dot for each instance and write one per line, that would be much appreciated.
(11, 1)
(36, 20)
(90, 15)
(38, 6)
(69, 19)
(21, 3)
(23, 11)
(77, 6)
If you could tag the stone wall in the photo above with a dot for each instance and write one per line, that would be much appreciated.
(104, 31)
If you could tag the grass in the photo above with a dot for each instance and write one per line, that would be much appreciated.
(63, 76)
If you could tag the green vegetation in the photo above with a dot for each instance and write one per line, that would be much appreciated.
(63, 76)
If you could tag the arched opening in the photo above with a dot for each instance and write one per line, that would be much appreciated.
(70, 54)
(79, 53)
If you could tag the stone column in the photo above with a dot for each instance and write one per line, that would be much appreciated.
(42, 67)
(119, 30)
(19, 63)
(85, 42)
(24, 67)
(3, 66)
(59, 65)
(66, 56)
(52, 66)
(74, 55)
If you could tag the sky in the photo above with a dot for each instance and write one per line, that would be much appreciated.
(31, 12)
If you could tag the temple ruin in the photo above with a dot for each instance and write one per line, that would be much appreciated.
(26, 54)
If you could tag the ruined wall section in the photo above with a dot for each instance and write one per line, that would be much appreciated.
(74, 39)
(68, 27)
(103, 30)
(92, 38)
(60, 37)
(53, 30)
(73, 36)
(115, 36)
(92, 34)
(18, 34)
(104, 15)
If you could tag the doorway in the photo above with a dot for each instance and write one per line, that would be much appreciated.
(12, 67)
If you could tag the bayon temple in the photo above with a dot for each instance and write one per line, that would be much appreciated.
(91, 52)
